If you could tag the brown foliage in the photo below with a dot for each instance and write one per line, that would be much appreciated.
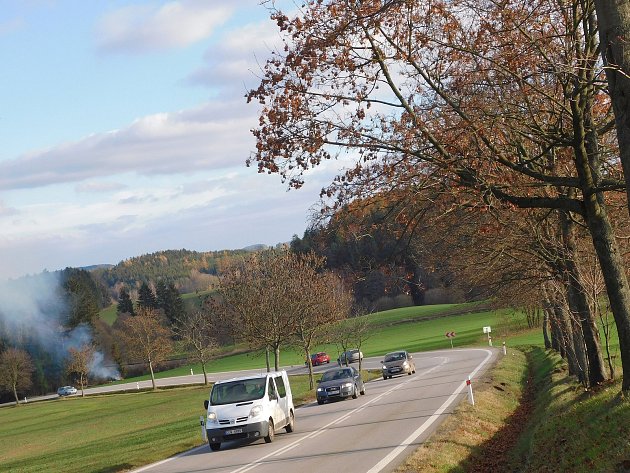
(16, 369)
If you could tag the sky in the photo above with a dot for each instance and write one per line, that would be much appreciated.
(125, 131)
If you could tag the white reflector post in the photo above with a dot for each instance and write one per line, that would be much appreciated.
(204, 437)
(471, 398)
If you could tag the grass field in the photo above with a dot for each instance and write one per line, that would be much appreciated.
(410, 328)
(109, 433)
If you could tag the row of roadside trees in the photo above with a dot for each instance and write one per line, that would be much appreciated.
(507, 110)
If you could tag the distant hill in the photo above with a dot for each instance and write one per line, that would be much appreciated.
(189, 270)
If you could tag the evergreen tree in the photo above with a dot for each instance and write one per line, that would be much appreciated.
(125, 305)
(170, 301)
(146, 297)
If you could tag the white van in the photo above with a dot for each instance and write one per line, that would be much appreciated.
(249, 407)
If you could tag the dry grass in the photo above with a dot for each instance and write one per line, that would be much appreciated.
(460, 437)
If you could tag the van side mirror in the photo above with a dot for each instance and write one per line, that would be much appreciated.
(205, 404)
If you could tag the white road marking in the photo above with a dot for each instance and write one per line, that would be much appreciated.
(408, 441)
(255, 463)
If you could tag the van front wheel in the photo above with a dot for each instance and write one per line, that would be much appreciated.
(291, 425)
(271, 433)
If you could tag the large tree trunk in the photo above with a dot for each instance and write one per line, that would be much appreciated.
(578, 302)
(615, 279)
(545, 329)
(587, 163)
(613, 18)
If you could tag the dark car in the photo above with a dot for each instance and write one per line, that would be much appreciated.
(319, 358)
(352, 356)
(340, 383)
(398, 362)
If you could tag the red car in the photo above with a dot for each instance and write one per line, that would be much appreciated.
(319, 358)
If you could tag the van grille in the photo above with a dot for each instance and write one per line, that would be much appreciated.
(227, 421)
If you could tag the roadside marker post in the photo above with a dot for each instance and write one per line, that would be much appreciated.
(450, 336)
(191, 372)
(137, 386)
(471, 398)
(504, 349)
(204, 435)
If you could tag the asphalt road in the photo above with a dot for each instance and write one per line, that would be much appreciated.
(372, 434)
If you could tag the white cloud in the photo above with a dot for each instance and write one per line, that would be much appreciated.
(213, 136)
(98, 187)
(7, 211)
(149, 28)
(238, 57)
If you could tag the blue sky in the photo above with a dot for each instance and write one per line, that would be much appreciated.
(124, 131)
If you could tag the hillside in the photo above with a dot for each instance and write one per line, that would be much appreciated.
(189, 270)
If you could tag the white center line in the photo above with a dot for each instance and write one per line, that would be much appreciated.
(295, 443)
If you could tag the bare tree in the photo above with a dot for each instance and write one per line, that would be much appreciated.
(146, 338)
(16, 369)
(353, 332)
(319, 299)
(197, 331)
(78, 364)
(256, 295)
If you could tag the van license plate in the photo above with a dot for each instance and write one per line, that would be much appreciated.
(233, 431)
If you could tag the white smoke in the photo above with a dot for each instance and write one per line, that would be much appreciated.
(32, 308)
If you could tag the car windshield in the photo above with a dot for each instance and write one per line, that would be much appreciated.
(238, 391)
(394, 356)
(336, 374)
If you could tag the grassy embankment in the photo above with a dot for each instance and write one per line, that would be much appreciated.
(529, 416)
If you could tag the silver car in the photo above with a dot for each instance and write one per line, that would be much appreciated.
(398, 362)
(350, 356)
(66, 390)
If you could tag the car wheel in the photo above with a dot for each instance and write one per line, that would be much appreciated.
(320, 402)
(384, 377)
(409, 373)
(214, 446)
(291, 425)
(271, 433)
(363, 391)
(355, 392)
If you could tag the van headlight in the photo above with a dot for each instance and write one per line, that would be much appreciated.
(320, 390)
(212, 417)
(255, 412)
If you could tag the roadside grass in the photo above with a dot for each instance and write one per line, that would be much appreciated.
(567, 429)
(109, 433)
(462, 433)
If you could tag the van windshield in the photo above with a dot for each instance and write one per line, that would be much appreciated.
(238, 391)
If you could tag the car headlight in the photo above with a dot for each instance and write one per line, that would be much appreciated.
(405, 364)
(212, 417)
(256, 411)
(320, 390)
(384, 367)
(346, 385)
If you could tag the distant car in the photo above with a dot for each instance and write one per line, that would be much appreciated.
(340, 383)
(66, 390)
(353, 356)
(319, 358)
(398, 362)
